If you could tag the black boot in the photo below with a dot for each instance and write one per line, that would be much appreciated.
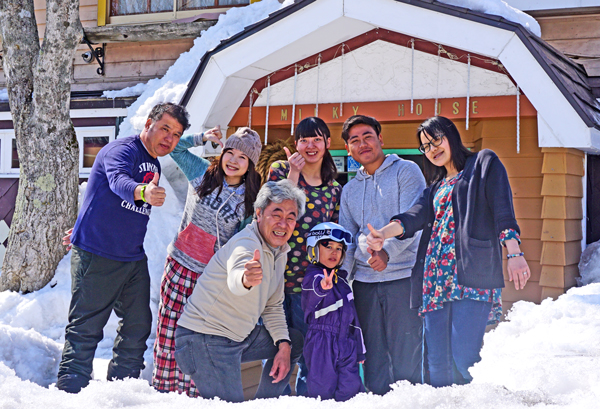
(72, 383)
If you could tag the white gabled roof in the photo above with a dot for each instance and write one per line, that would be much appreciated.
(227, 73)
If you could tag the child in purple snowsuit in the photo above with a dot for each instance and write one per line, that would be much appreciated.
(333, 345)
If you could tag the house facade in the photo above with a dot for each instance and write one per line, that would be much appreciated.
(403, 61)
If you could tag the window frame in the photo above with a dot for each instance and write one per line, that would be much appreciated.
(104, 17)
(8, 135)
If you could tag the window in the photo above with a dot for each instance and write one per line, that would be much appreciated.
(130, 7)
(91, 140)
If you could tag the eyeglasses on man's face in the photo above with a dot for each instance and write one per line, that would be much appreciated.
(426, 147)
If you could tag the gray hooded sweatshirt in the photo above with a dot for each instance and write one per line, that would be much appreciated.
(375, 199)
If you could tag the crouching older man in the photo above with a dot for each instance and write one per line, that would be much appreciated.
(243, 282)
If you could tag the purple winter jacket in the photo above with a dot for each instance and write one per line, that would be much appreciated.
(332, 309)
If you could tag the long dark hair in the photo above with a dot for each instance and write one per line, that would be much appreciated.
(437, 127)
(309, 128)
(214, 177)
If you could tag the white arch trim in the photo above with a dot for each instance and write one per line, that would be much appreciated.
(230, 73)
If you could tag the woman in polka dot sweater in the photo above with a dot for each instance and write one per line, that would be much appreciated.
(313, 169)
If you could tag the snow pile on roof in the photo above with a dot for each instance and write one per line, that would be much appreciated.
(172, 86)
(132, 91)
(499, 8)
(3, 94)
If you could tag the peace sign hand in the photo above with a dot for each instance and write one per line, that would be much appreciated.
(327, 281)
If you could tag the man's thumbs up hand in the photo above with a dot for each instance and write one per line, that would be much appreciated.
(154, 194)
(252, 271)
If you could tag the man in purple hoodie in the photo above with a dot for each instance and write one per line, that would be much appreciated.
(109, 268)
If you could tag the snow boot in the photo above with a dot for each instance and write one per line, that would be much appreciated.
(72, 383)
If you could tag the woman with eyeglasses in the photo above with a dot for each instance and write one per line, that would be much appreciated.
(313, 170)
(466, 215)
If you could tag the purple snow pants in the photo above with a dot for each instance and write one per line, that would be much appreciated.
(332, 365)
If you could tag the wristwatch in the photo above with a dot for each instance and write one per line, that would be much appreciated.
(287, 341)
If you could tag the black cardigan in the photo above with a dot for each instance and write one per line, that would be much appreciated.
(483, 208)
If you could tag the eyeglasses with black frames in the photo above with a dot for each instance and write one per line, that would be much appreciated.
(426, 147)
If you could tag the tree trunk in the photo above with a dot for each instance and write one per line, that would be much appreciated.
(39, 92)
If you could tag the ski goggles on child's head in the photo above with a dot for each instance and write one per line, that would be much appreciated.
(335, 234)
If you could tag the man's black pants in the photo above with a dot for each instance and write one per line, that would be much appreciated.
(392, 331)
(100, 285)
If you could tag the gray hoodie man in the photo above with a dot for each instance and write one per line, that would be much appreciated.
(396, 185)
(382, 187)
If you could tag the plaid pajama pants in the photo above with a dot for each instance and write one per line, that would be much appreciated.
(176, 286)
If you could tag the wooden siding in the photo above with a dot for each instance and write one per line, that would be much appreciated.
(562, 212)
(126, 64)
(577, 36)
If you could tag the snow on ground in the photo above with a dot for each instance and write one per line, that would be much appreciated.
(543, 356)
(499, 8)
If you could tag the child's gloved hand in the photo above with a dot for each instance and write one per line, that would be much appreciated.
(327, 281)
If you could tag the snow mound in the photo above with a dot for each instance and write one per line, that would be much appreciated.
(499, 8)
(31, 355)
(551, 348)
(589, 265)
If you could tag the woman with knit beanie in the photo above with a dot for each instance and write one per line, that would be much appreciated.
(219, 204)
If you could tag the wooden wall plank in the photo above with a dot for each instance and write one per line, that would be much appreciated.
(563, 163)
(572, 27)
(562, 185)
(587, 47)
(526, 187)
(530, 228)
(522, 166)
(124, 70)
(559, 276)
(561, 230)
(528, 208)
(552, 292)
(532, 292)
(556, 207)
(561, 254)
(155, 51)
(505, 148)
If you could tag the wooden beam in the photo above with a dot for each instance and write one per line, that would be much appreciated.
(146, 32)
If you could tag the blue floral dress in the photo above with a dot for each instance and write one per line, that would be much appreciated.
(440, 283)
